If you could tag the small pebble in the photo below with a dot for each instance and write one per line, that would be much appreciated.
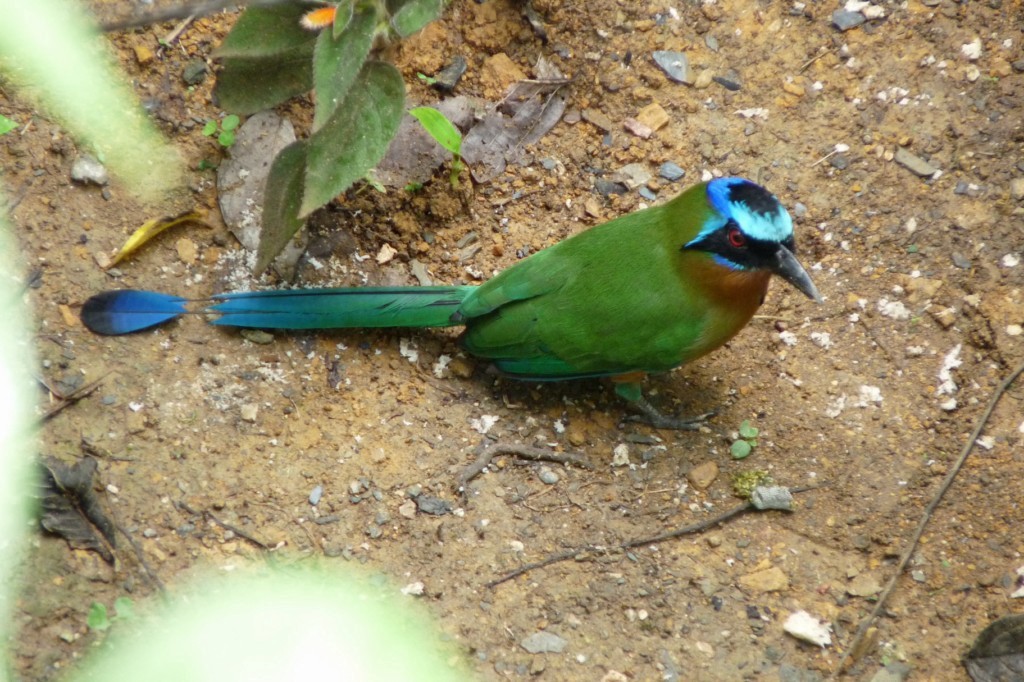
(839, 162)
(914, 163)
(433, 505)
(844, 20)
(671, 171)
(315, 495)
(647, 194)
(799, 210)
(543, 642)
(1017, 188)
(607, 187)
(87, 169)
(730, 85)
(194, 72)
(675, 65)
(249, 412)
(447, 78)
(547, 476)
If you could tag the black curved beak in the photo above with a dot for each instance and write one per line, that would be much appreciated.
(788, 268)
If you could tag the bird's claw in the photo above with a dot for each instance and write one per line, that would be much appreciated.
(649, 414)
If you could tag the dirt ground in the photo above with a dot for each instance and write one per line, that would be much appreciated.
(917, 274)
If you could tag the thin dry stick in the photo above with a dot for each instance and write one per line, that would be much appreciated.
(487, 453)
(630, 544)
(140, 556)
(946, 483)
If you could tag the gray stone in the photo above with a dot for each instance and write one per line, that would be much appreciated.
(671, 171)
(675, 65)
(845, 21)
(544, 642)
(87, 168)
(915, 164)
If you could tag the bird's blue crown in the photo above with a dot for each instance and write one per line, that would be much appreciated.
(756, 210)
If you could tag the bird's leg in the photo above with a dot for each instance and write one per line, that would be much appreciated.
(630, 390)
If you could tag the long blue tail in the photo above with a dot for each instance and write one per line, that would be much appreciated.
(127, 310)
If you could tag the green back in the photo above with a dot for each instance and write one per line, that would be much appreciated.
(614, 299)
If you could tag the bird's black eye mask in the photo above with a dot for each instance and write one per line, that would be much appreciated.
(737, 250)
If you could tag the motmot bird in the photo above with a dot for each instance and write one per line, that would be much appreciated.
(643, 293)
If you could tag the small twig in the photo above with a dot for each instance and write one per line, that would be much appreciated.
(487, 453)
(929, 510)
(630, 544)
(226, 526)
(69, 399)
(141, 557)
(178, 30)
(810, 61)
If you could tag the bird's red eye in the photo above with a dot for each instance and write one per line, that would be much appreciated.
(736, 238)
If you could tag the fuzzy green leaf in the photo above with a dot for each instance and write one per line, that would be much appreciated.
(230, 122)
(226, 138)
(281, 203)
(355, 137)
(343, 17)
(210, 128)
(267, 31)
(440, 128)
(748, 431)
(250, 84)
(97, 618)
(414, 15)
(336, 63)
(740, 449)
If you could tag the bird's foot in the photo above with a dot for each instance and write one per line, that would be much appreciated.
(649, 414)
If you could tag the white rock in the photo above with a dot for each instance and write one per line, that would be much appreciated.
(803, 625)
(972, 50)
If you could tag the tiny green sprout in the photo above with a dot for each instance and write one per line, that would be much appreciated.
(446, 135)
(744, 483)
(425, 79)
(7, 125)
(912, 248)
(206, 164)
(98, 619)
(747, 441)
(414, 187)
(225, 131)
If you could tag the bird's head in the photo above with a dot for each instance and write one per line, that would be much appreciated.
(748, 229)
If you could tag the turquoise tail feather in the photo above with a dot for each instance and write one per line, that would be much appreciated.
(127, 311)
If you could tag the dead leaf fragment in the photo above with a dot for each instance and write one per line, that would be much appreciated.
(151, 229)
(69, 508)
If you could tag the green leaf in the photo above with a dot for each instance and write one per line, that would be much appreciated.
(210, 128)
(226, 138)
(748, 431)
(230, 122)
(124, 607)
(414, 15)
(267, 31)
(250, 84)
(440, 128)
(355, 137)
(336, 63)
(740, 449)
(7, 125)
(97, 619)
(281, 203)
(343, 16)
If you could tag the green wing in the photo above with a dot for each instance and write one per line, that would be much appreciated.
(607, 301)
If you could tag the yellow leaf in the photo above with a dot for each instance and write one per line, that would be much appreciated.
(151, 229)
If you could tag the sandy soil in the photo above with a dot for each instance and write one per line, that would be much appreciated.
(847, 395)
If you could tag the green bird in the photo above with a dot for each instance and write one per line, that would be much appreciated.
(643, 293)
